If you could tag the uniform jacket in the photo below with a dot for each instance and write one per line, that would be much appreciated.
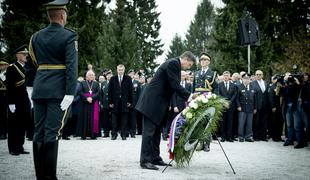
(54, 45)
(199, 79)
(246, 99)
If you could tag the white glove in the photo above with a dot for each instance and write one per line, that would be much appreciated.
(29, 92)
(2, 76)
(12, 108)
(66, 102)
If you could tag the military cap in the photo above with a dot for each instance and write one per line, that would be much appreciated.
(226, 72)
(130, 71)
(21, 50)
(56, 4)
(3, 62)
(246, 76)
(204, 56)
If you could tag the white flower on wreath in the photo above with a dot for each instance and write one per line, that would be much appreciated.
(189, 115)
(204, 100)
(209, 95)
(214, 96)
(185, 110)
(193, 104)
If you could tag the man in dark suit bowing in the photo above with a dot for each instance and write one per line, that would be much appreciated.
(120, 100)
(154, 102)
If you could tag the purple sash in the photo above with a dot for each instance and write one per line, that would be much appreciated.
(96, 114)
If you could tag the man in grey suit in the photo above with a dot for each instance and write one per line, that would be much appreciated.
(154, 103)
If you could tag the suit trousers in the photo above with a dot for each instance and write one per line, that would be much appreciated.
(227, 124)
(119, 121)
(150, 148)
(16, 131)
(260, 127)
(245, 121)
(132, 124)
(49, 120)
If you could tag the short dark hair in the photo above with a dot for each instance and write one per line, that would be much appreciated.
(189, 55)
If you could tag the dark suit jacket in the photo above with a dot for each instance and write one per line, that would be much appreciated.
(178, 101)
(54, 45)
(230, 95)
(262, 98)
(120, 96)
(155, 100)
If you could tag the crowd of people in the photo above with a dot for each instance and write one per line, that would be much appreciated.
(105, 106)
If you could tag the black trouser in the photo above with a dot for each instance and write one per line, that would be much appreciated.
(150, 150)
(30, 126)
(227, 124)
(132, 123)
(119, 118)
(49, 120)
(16, 132)
(106, 121)
(3, 114)
(276, 124)
(17, 125)
(260, 128)
(139, 122)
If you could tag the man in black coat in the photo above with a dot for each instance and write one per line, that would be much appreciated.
(120, 100)
(260, 122)
(19, 104)
(154, 104)
(228, 90)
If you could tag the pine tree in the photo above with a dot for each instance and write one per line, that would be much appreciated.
(198, 36)
(177, 47)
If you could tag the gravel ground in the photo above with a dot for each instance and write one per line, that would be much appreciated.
(106, 159)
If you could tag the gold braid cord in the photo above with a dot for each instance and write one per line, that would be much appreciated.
(31, 52)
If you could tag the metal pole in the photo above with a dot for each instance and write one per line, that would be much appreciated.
(226, 156)
(249, 61)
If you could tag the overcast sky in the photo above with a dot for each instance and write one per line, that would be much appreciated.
(175, 17)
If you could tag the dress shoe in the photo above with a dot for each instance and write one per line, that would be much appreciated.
(249, 140)
(93, 138)
(229, 140)
(132, 135)
(264, 139)
(206, 148)
(65, 138)
(113, 138)
(105, 135)
(241, 140)
(23, 152)
(298, 146)
(287, 143)
(14, 153)
(148, 166)
(2, 137)
(161, 163)
(124, 138)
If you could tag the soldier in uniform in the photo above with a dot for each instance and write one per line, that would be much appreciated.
(205, 81)
(54, 52)
(19, 104)
(3, 98)
(104, 103)
(133, 113)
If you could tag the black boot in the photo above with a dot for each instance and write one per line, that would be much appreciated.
(38, 150)
(50, 160)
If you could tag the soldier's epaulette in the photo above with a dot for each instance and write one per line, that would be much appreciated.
(70, 30)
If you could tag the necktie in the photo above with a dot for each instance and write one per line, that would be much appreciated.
(120, 80)
(226, 85)
(202, 72)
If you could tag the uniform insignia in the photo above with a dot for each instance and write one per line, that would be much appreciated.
(242, 90)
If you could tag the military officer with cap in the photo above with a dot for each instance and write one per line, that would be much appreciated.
(3, 99)
(205, 81)
(54, 52)
(19, 104)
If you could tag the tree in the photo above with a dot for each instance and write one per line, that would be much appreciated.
(198, 36)
(19, 21)
(146, 24)
(177, 47)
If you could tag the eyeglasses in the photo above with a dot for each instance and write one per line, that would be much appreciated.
(258, 74)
